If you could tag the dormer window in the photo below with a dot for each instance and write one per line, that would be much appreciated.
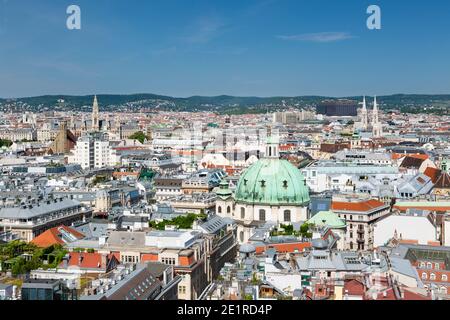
(263, 183)
(285, 184)
(245, 182)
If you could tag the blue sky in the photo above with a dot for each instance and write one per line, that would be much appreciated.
(212, 47)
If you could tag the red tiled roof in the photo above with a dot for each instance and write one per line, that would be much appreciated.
(284, 247)
(86, 260)
(419, 156)
(362, 206)
(409, 295)
(433, 173)
(396, 156)
(443, 182)
(354, 288)
(407, 241)
(412, 162)
(387, 294)
(53, 236)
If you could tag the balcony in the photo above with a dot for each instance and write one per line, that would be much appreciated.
(360, 240)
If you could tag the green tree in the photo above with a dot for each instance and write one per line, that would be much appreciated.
(5, 143)
(248, 297)
(182, 222)
(140, 136)
(304, 230)
(18, 266)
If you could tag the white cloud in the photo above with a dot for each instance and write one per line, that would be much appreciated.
(318, 37)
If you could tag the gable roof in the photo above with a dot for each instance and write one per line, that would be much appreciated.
(360, 206)
(86, 260)
(57, 235)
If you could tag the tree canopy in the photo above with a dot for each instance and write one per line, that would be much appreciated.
(140, 136)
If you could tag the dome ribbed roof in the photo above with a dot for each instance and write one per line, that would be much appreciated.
(247, 248)
(272, 182)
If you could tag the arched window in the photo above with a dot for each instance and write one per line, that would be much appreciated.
(262, 215)
(241, 236)
(444, 290)
(219, 209)
(432, 276)
(444, 277)
(424, 276)
(422, 264)
(429, 265)
(436, 266)
(242, 213)
(287, 215)
(351, 245)
(228, 209)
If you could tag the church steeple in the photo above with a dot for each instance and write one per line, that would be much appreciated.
(364, 117)
(377, 129)
(95, 116)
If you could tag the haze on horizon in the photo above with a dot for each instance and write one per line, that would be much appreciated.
(209, 48)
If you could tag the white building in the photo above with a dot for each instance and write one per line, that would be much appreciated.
(330, 175)
(406, 227)
(93, 151)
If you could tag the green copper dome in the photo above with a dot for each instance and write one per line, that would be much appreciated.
(327, 218)
(224, 192)
(272, 182)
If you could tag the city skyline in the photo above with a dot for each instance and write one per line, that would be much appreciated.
(254, 48)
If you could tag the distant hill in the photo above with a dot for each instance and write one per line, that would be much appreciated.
(224, 103)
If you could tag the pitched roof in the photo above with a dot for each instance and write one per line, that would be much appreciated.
(410, 295)
(361, 206)
(443, 182)
(86, 260)
(354, 288)
(433, 173)
(419, 156)
(42, 209)
(57, 235)
(412, 162)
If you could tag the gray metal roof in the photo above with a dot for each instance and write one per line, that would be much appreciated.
(215, 223)
(404, 267)
(326, 260)
(124, 238)
(35, 211)
(92, 230)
